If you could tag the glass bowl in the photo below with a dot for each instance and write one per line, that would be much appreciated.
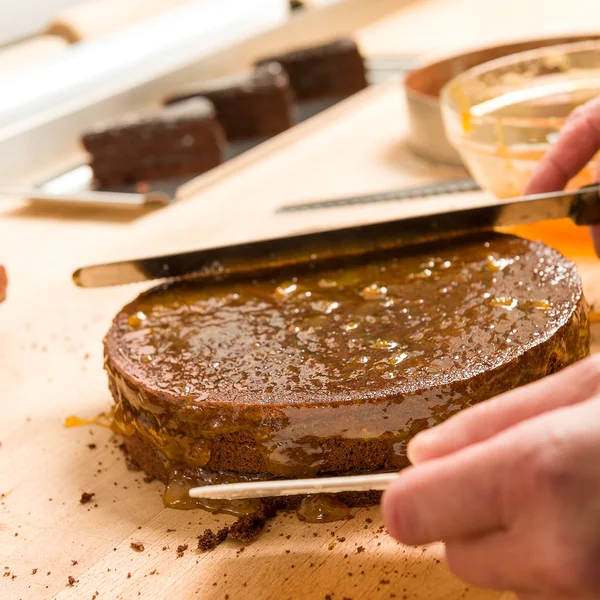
(503, 116)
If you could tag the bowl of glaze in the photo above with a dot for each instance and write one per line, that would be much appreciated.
(504, 115)
(423, 86)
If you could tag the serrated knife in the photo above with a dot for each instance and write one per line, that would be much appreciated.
(454, 186)
(582, 206)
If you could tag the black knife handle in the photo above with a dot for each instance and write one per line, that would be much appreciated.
(586, 208)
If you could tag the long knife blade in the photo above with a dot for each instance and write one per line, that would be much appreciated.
(454, 186)
(582, 206)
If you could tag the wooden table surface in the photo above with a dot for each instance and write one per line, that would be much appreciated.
(51, 366)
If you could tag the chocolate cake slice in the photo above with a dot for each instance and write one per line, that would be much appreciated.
(184, 139)
(252, 106)
(333, 369)
(336, 69)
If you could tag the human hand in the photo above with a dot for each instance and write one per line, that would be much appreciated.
(577, 144)
(512, 486)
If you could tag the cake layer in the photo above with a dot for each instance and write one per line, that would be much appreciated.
(145, 456)
(194, 137)
(335, 368)
(183, 139)
(256, 105)
(111, 172)
(329, 70)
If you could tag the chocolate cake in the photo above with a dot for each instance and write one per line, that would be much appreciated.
(332, 369)
(336, 69)
(251, 106)
(184, 139)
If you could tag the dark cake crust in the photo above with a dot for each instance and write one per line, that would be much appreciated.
(184, 139)
(252, 106)
(330, 70)
(458, 323)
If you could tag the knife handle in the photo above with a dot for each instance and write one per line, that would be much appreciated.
(586, 207)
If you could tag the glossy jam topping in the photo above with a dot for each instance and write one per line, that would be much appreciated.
(103, 419)
(322, 508)
(340, 333)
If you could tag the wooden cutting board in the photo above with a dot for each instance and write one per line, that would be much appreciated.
(51, 365)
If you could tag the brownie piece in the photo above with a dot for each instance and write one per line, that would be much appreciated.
(336, 69)
(179, 140)
(333, 369)
(255, 105)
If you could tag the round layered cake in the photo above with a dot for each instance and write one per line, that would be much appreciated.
(332, 368)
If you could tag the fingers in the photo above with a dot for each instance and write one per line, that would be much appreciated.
(455, 496)
(570, 386)
(577, 144)
(491, 561)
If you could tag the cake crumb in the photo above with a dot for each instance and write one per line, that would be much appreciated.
(71, 581)
(34, 571)
(86, 497)
(360, 549)
(74, 562)
(181, 550)
(128, 575)
(210, 540)
(248, 527)
(137, 546)
(92, 446)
